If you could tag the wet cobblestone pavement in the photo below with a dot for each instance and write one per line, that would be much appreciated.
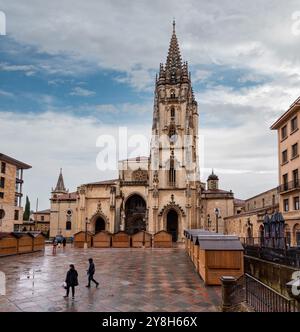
(130, 280)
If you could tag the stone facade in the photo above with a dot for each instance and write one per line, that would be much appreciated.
(216, 204)
(11, 182)
(42, 221)
(266, 199)
(159, 192)
(249, 223)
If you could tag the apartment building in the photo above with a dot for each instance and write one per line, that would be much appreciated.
(11, 185)
(287, 127)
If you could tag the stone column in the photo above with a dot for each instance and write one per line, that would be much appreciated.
(228, 284)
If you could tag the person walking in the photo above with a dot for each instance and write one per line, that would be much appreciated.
(90, 273)
(54, 246)
(71, 281)
(64, 243)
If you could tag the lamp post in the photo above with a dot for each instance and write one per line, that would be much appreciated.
(208, 222)
(86, 233)
(217, 213)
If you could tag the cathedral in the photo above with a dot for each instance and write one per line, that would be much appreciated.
(159, 192)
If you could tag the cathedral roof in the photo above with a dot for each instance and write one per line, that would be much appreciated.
(217, 191)
(106, 182)
(65, 197)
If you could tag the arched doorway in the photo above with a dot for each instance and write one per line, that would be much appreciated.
(172, 224)
(135, 213)
(249, 232)
(250, 240)
(297, 235)
(99, 225)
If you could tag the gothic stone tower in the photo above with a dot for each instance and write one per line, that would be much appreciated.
(174, 185)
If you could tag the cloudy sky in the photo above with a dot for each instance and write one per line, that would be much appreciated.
(73, 70)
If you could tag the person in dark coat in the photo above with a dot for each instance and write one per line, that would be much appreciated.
(90, 273)
(54, 246)
(71, 281)
(64, 242)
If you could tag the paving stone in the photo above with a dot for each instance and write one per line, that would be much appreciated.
(130, 280)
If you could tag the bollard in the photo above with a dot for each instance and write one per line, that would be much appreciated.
(228, 284)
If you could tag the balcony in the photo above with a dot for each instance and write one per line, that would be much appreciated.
(289, 186)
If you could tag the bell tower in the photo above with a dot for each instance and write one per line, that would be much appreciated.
(174, 165)
(174, 154)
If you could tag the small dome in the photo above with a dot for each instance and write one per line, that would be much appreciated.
(213, 176)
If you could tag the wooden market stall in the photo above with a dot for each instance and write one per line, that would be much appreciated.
(8, 244)
(162, 239)
(81, 237)
(190, 235)
(214, 255)
(25, 243)
(219, 255)
(121, 240)
(38, 241)
(141, 240)
(102, 240)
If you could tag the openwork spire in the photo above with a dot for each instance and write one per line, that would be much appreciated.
(174, 61)
(60, 186)
(175, 70)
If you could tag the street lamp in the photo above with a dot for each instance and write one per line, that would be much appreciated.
(86, 233)
(217, 213)
(208, 222)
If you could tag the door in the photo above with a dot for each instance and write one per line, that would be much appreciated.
(100, 225)
(172, 224)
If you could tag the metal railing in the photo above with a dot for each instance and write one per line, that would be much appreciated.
(295, 184)
(280, 242)
(263, 298)
(272, 250)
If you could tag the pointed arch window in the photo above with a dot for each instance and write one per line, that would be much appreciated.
(172, 113)
(172, 133)
(173, 95)
(69, 220)
(172, 173)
